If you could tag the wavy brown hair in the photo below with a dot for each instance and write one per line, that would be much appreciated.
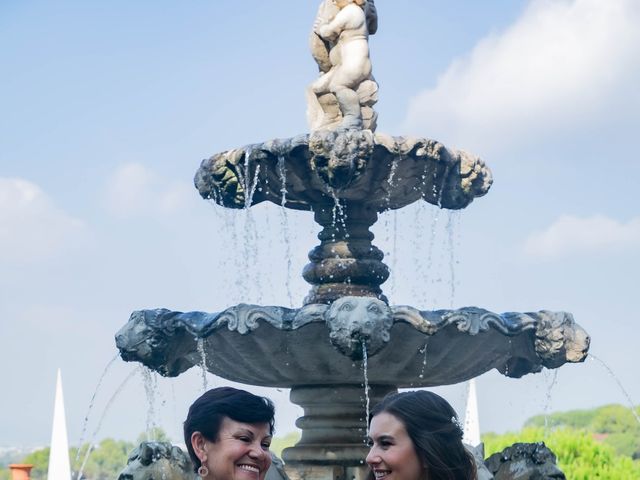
(432, 424)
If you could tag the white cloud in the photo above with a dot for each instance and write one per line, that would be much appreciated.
(31, 226)
(562, 64)
(571, 235)
(135, 190)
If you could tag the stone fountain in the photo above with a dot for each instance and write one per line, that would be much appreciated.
(346, 174)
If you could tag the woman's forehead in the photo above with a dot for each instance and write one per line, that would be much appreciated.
(386, 424)
(262, 429)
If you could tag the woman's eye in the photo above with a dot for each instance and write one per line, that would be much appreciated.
(244, 439)
(266, 446)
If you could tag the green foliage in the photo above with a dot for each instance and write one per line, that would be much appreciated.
(156, 434)
(105, 462)
(5, 474)
(579, 456)
(280, 443)
(40, 461)
(108, 459)
(617, 424)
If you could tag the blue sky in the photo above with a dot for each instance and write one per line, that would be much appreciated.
(108, 108)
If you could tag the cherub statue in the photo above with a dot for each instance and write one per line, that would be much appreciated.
(344, 93)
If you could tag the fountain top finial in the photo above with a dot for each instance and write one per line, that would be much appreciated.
(345, 92)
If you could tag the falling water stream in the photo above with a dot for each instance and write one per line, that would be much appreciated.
(339, 216)
(391, 224)
(238, 266)
(394, 257)
(452, 228)
(282, 173)
(547, 401)
(365, 371)
(620, 386)
(250, 278)
(203, 363)
(422, 287)
(102, 417)
(174, 402)
(423, 352)
(91, 403)
(150, 381)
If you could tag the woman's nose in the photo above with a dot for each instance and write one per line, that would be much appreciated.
(257, 451)
(372, 457)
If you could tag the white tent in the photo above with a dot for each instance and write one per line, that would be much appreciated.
(59, 466)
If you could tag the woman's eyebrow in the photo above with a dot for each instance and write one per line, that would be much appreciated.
(384, 437)
(244, 431)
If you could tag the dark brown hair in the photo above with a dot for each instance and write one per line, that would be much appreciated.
(432, 425)
(207, 412)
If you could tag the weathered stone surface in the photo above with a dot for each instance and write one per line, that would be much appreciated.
(354, 321)
(344, 166)
(334, 425)
(163, 461)
(158, 460)
(478, 457)
(525, 461)
(303, 345)
(346, 178)
(345, 263)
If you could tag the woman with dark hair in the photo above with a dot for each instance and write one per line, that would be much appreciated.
(228, 433)
(416, 436)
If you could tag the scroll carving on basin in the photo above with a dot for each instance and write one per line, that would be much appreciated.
(323, 342)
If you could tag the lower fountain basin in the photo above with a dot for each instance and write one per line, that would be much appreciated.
(323, 344)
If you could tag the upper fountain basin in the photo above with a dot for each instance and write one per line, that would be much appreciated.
(355, 166)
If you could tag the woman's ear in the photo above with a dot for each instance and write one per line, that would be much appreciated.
(198, 443)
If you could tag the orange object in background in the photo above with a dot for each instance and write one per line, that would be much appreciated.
(20, 471)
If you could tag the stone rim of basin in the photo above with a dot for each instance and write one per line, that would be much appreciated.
(281, 347)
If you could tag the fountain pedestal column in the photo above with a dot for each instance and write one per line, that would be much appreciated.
(345, 263)
(333, 443)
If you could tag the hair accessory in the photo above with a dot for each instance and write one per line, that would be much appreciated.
(457, 423)
(203, 471)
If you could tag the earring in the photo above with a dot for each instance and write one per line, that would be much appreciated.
(203, 471)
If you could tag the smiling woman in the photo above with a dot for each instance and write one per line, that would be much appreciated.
(416, 436)
(228, 433)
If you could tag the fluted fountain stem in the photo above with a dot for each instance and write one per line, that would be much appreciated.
(345, 263)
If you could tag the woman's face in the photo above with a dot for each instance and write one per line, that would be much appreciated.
(392, 455)
(241, 451)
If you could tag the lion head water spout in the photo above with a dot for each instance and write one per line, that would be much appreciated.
(359, 325)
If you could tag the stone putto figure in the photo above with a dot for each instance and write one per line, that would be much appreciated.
(344, 93)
